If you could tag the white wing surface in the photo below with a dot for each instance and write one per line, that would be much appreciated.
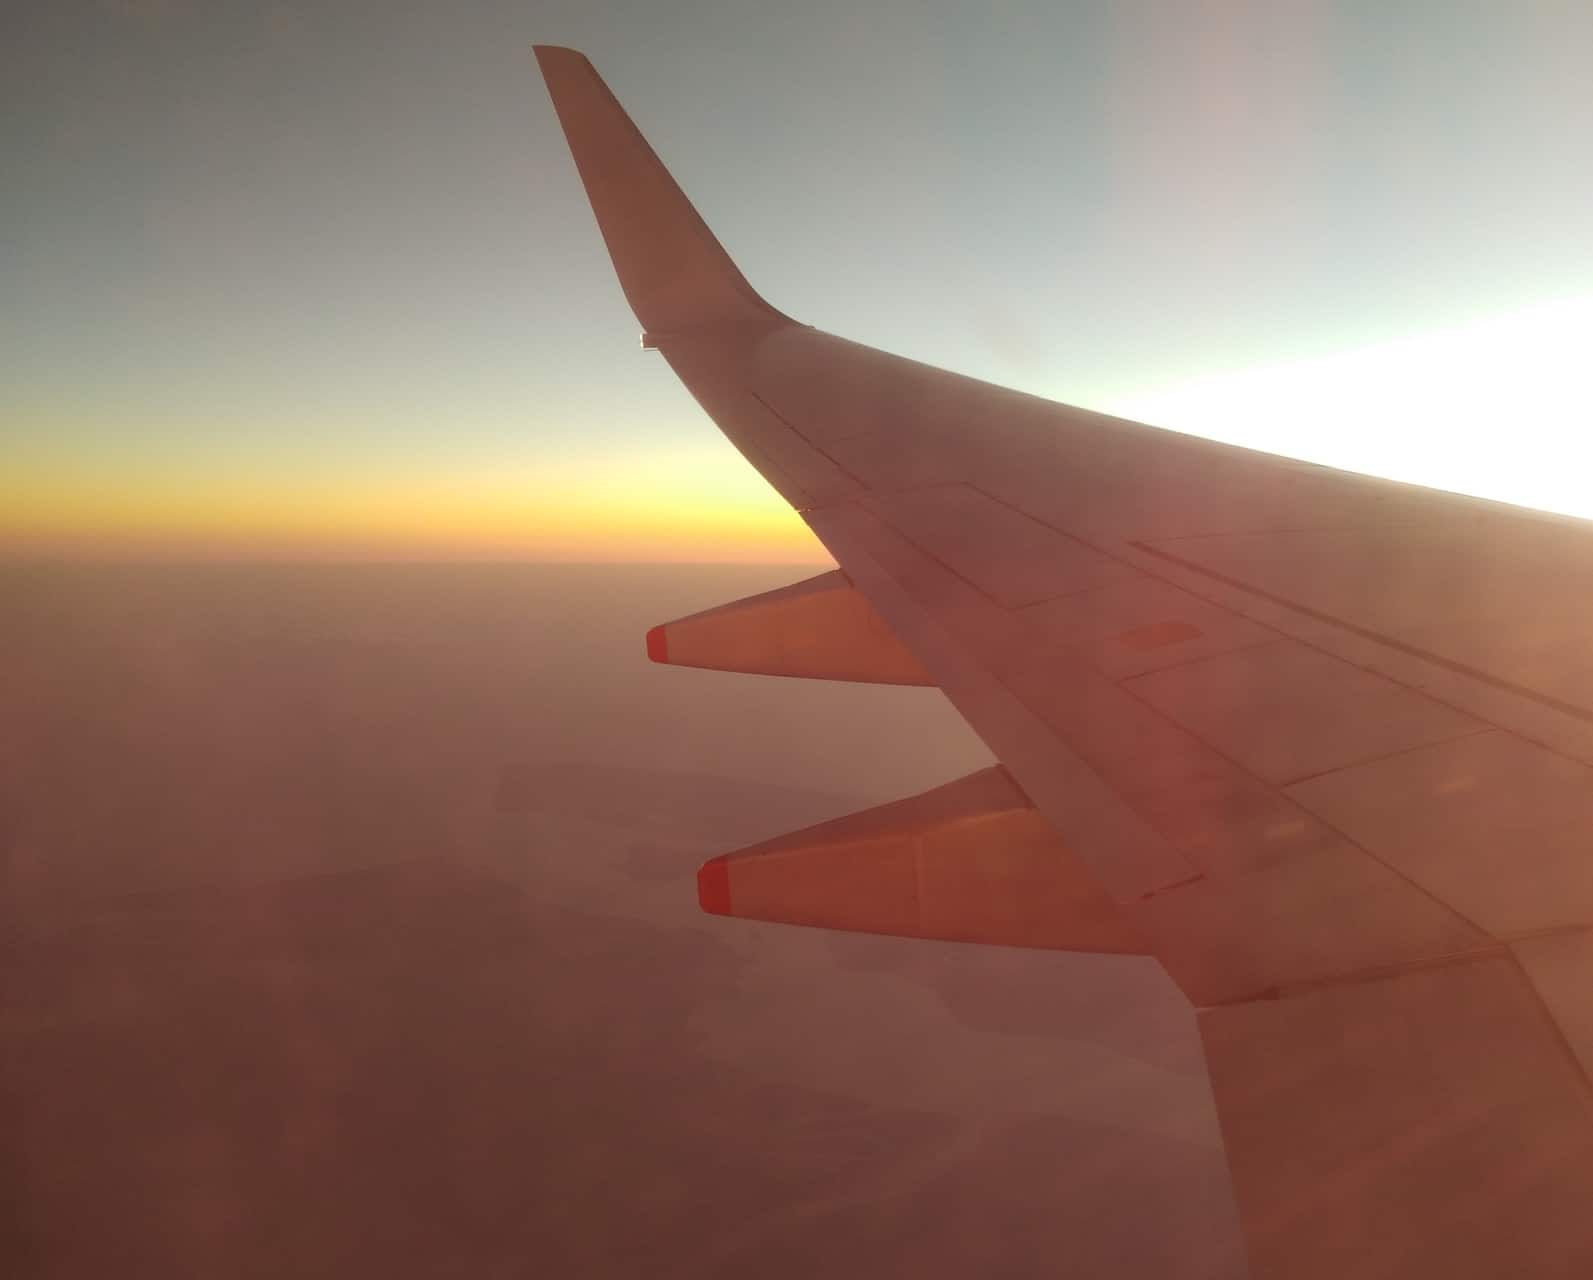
(1321, 743)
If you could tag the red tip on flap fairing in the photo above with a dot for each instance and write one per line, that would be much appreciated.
(657, 649)
(713, 886)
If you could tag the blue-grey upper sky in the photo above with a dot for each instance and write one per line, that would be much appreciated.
(329, 258)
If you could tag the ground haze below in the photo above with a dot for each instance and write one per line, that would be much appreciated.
(350, 928)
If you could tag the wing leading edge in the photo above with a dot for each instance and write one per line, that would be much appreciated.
(1323, 742)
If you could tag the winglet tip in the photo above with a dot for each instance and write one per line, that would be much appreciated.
(548, 55)
(713, 886)
(657, 645)
(676, 276)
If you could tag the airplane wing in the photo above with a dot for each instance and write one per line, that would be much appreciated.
(1321, 743)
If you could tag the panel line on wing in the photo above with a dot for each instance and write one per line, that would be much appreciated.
(929, 555)
(1372, 973)
(1557, 1031)
(1395, 754)
(1130, 857)
(1101, 755)
(807, 440)
(1102, 549)
(1404, 646)
(1239, 767)
(1349, 841)
(1191, 660)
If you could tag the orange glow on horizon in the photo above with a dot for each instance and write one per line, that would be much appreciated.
(1495, 408)
(684, 506)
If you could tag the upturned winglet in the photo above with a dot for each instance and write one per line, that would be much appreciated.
(676, 276)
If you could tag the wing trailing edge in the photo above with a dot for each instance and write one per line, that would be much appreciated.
(971, 861)
(822, 628)
(1426, 1123)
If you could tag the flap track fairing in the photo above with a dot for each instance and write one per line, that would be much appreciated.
(971, 861)
(823, 628)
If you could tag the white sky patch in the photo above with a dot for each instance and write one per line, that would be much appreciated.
(1501, 408)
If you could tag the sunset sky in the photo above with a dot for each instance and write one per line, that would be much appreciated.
(319, 280)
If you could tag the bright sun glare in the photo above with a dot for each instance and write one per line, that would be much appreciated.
(1500, 407)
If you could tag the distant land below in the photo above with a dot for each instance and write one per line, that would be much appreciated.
(350, 924)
